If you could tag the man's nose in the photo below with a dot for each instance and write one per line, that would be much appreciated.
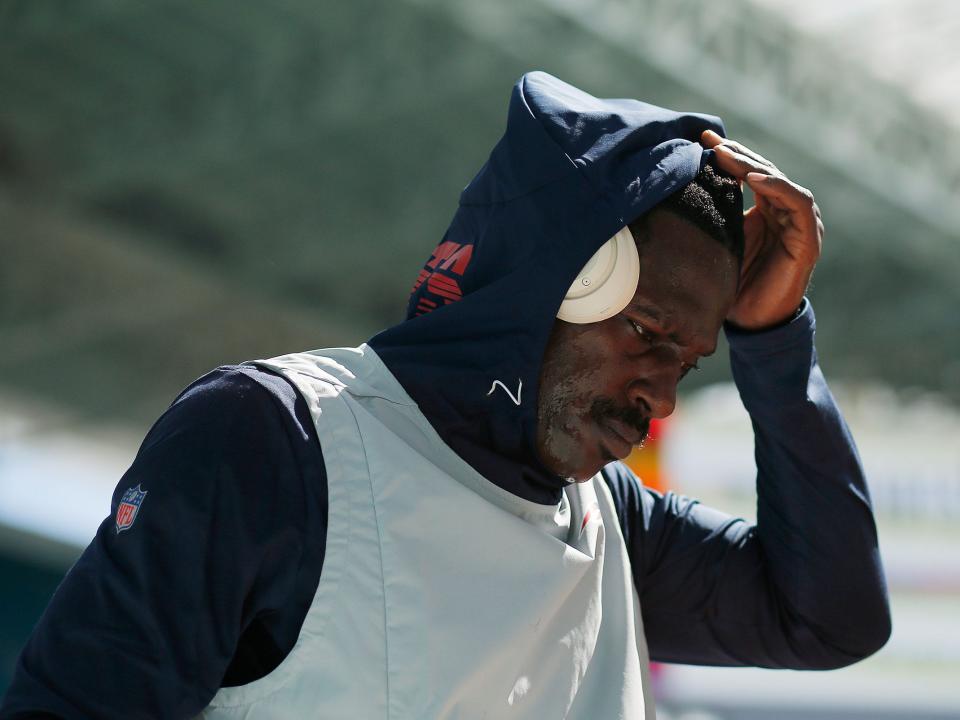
(662, 399)
(658, 388)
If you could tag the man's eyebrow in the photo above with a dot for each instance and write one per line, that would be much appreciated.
(655, 314)
(657, 317)
(646, 310)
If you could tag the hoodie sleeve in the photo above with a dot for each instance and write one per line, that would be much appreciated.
(804, 587)
(208, 584)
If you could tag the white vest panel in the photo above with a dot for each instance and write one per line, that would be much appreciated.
(441, 594)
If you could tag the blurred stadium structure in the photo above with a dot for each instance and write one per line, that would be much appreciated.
(189, 184)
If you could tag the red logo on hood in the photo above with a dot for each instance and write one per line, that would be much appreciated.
(447, 263)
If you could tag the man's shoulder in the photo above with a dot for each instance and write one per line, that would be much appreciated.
(236, 405)
(233, 386)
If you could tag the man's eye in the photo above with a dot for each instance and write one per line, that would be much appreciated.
(642, 331)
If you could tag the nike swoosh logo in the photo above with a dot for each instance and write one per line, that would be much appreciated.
(516, 399)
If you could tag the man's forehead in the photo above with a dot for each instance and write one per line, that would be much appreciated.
(676, 255)
(665, 229)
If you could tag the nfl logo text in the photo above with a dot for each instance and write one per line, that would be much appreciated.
(129, 507)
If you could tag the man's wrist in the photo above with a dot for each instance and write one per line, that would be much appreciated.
(773, 365)
(801, 308)
(802, 322)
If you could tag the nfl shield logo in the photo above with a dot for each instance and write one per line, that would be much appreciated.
(129, 506)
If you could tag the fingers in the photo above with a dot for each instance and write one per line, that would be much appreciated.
(783, 193)
(791, 205)
(736, 158)
(746, 152)
(710, 139)
(777, 197)
(738, 161)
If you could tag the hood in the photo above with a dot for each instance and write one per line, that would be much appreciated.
(568, 173)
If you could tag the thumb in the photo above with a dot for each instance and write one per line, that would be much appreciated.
(754, 225)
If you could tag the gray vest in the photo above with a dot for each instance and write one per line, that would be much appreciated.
(443, 595)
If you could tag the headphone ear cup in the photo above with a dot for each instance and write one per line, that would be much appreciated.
(606, 284)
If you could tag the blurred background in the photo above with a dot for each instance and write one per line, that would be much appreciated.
(189, 184)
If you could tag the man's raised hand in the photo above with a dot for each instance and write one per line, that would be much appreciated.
(783, 233)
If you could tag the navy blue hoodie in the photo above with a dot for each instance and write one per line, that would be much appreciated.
(209, 583)
(569, 172)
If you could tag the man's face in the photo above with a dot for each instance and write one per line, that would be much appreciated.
(601, 383)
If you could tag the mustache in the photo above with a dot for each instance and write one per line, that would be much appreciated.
(604, 407)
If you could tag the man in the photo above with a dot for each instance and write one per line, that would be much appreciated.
(435, 524)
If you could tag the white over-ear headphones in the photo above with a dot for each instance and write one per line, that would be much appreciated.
(606, 283)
